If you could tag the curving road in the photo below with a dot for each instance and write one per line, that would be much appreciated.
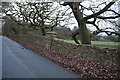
(18, 62)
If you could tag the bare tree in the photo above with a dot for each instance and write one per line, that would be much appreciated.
(34, 15)
(40, 15)
(93, 19)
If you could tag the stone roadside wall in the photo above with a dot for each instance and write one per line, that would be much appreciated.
(104, 55)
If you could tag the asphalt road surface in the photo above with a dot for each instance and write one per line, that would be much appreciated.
(18, 62)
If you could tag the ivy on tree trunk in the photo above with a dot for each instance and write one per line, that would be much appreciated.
(83, 31)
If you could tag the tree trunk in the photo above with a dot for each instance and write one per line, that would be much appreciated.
(85, 36)
(75, 39)
(83, 31)
(43, 28)
(15, 32)
(43, 32)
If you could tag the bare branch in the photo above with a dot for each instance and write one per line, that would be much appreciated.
(100, 12)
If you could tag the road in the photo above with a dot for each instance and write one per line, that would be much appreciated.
(18, 62)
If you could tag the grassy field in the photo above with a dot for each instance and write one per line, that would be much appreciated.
(106, 43)
(94, 42)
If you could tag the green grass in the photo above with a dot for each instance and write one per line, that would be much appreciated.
(94, 42)
(105, 43)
